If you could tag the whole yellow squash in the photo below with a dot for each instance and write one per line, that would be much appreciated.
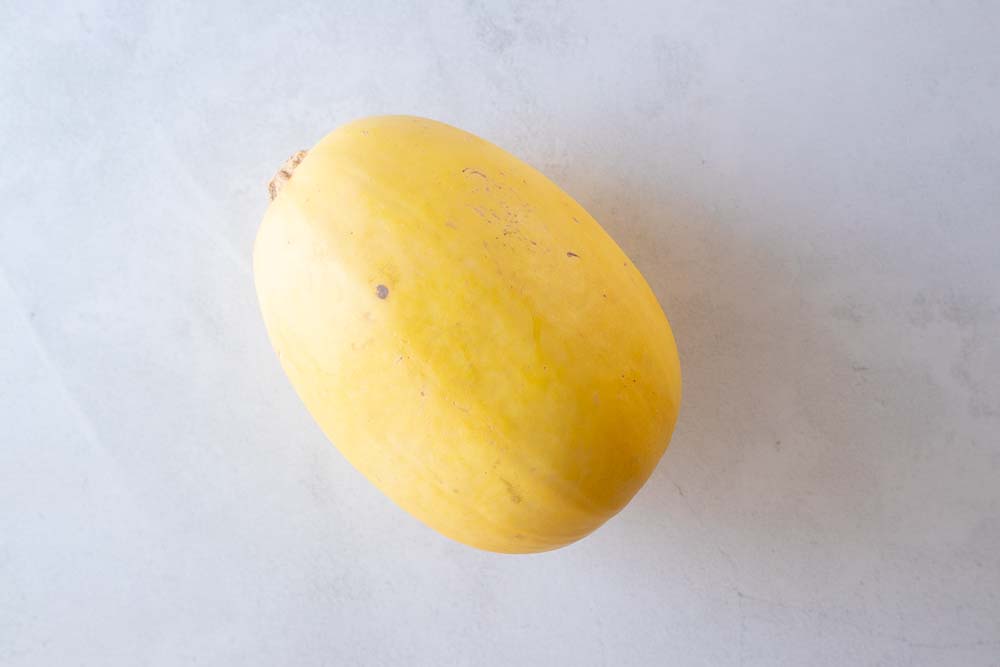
(465, 333)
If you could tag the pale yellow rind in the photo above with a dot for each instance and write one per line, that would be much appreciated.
(518, 382)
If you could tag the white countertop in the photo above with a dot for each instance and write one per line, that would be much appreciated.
(811, 188)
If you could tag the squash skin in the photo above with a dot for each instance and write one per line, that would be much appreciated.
(466, 334)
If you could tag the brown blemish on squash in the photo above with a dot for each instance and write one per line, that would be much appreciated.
(572, 254)
(285, 174)
(515, 497)
(382, 291)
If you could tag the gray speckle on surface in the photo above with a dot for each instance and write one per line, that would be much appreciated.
(809, 187)
(382, 291)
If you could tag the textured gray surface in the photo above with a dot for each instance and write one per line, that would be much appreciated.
(812, 189)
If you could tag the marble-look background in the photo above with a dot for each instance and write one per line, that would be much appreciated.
(812, 189)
